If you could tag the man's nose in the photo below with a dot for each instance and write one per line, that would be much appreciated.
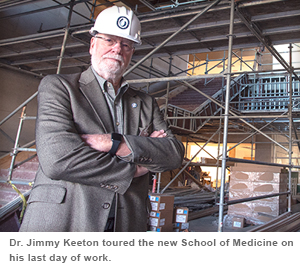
(117, 47)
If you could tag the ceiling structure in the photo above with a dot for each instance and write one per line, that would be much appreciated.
(172, 30)
(169, 29)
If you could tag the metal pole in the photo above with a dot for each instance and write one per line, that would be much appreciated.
(217, 159)
(63, 48)
(225, 132)
(150, 74)
(252, 147)
(158, 182)
(168, 89)
(173, 78)
(290, 130)
(232, 117)
(238, 201)
(192, 77)
(172, 36)
(15, 150)
(240, 160)
(18, 108)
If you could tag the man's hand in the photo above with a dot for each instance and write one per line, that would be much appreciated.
(140, 171)
(158, 134)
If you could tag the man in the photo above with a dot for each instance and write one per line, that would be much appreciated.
(97, 140)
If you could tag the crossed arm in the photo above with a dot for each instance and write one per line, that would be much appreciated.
(103, 143)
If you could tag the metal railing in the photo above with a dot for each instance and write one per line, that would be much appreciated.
(269, 94)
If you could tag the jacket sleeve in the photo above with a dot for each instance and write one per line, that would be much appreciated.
(156, 154)
(62, 154)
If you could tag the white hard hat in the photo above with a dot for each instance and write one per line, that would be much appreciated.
(118, 21)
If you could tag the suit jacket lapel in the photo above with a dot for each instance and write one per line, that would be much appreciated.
(92, 91)
(132, 109)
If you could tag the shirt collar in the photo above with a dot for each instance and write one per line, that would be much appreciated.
(103, 83)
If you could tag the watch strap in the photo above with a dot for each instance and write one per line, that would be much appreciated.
(116, 140)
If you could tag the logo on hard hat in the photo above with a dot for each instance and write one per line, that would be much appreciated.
(123, 22)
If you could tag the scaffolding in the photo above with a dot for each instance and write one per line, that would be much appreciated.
(225, 106)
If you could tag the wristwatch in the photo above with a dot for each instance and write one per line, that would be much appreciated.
(116, 139)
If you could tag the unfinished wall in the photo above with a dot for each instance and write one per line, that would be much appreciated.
(263, 149)
(15, 88)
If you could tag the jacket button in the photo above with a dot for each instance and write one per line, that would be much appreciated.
(106, 205)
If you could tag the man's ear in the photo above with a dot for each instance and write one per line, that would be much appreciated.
(92, 42)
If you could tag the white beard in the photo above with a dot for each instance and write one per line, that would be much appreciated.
(109, 69)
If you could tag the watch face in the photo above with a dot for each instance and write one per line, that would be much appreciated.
(116, 136)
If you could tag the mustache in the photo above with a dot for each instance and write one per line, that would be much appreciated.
(114, 56)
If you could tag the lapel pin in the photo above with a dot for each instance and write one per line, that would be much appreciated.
(134, 105)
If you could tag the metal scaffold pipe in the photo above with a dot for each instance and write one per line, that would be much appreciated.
(226, 120)
(18, 108)
(290, 109)
(15, 149)
(62, 52)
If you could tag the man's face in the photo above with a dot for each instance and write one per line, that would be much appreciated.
(111, 55)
